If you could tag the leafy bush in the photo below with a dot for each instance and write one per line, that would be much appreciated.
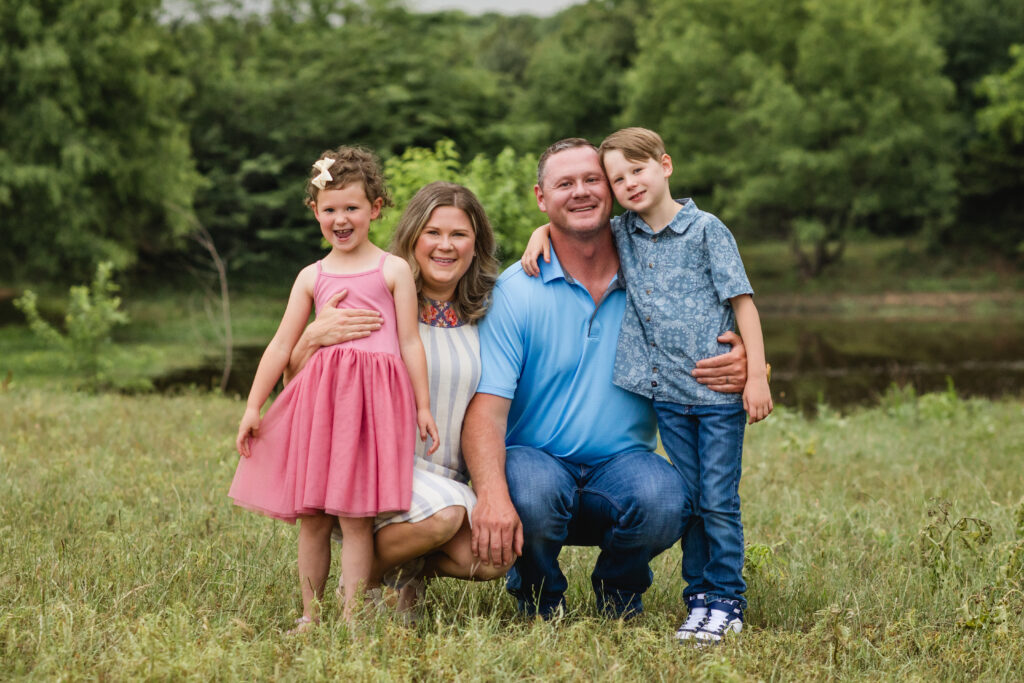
(93, 311)
(502, 184)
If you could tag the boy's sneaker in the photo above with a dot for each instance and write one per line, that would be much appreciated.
(724, 616)
(697, 614)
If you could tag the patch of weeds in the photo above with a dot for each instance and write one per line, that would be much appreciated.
(943, 541)
(905, 402)
(947, 544)
(1013, 568)
(899, 401)
(1018, 518)
(945, 405)
(990, 609)
(794, 443)
(833, 628)
(762, 564)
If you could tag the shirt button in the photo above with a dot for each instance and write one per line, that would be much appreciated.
(654, 384)
(650, 265)
(648, 291)
(654, 369)
(654, 344)
(655, 239)
(648, 318)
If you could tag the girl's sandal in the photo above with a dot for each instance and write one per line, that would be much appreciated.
(302, 624)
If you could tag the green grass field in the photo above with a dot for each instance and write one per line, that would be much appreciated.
(121, 557)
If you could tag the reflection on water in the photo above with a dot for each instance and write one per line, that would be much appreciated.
(244, 362)
(853, 362)
(840, 362)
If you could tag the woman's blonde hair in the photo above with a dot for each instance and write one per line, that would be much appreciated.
(473, 291)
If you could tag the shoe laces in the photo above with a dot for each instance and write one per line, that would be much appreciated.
(717, 621)
(694, 619)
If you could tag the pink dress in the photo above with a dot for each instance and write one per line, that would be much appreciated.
(341, 436)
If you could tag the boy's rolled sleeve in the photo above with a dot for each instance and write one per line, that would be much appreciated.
(727, 272)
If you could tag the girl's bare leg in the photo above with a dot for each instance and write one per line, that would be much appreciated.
(396, 544)
(356, 559)
(314, 561)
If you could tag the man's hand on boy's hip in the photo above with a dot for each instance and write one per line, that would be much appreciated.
(726, 373)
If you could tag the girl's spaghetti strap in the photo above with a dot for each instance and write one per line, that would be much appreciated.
(380, 266)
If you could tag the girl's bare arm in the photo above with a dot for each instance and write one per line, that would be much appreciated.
(276, 356)
(407, 320)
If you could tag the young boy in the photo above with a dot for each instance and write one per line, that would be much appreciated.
(685, 285)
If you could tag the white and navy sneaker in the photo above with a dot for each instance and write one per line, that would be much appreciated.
(697, 614)
(724, 617)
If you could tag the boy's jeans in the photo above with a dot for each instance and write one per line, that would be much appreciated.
(631, 505)
(706, 444)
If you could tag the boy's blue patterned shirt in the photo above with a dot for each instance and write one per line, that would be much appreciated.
(679, 282)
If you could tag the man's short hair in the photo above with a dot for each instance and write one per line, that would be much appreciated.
(636, 144)
(560, 146)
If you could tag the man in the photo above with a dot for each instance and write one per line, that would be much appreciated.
(558, 455)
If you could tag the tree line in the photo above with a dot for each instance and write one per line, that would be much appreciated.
(126, 127)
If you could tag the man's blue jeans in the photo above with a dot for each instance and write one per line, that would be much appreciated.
(631, 506)
(706, 444)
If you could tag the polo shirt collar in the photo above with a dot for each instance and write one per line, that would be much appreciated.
(553, 271)
(679, 224)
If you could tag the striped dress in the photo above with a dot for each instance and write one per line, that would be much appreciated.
(439, 480)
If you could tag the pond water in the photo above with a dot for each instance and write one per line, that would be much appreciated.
(841, 362)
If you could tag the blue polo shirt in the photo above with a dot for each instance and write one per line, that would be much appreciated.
(548, 348)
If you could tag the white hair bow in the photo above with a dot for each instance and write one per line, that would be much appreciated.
(323, 166)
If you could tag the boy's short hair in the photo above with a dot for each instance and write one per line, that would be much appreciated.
(636, 144)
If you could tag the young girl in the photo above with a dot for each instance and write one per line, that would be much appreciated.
(338, 442)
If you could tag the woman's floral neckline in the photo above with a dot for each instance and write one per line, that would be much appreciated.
(439, 314)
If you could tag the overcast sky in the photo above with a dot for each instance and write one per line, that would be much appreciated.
(539, 7)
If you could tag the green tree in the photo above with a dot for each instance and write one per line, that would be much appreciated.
(809, 119)
(94, 162)
(1001, 147)
(977, 35)
(274, 91)
(573, 83)
(507, 44)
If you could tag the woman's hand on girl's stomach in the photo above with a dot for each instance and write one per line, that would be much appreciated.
(335, 325)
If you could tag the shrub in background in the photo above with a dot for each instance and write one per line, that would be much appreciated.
(93, 311)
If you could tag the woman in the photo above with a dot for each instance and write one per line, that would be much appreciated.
(446, 238)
